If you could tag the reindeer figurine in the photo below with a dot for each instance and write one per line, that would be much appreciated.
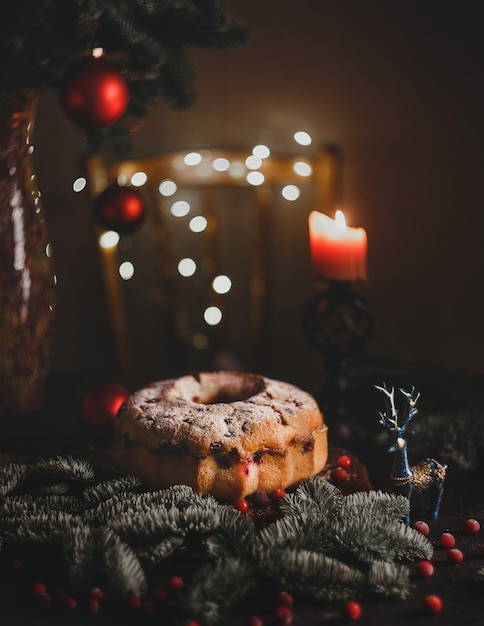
(404, 479)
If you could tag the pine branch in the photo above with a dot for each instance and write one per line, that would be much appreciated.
(218, 587)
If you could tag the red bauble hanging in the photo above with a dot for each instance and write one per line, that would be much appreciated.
(119, 208)
(99, 407)
(94, 94)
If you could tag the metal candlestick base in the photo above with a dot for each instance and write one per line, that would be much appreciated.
(338, 324)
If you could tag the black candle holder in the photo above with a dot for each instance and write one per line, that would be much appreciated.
(337, 323)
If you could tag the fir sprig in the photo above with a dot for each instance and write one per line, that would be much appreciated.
(113, 532)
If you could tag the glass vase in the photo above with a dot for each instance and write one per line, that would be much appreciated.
(27, 280)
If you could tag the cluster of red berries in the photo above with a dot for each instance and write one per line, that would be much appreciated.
(71, 604)
(425, 569)
(340, 473)
(262, 499)
(283, 611)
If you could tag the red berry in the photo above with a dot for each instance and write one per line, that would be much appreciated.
(254, 620)
(283, 615)
(455, 556)
(472, 526)
(93, 605)
(432, 604)
(148, 608)
(70, 603)
(422, 527)
(241, 505)
(353, 610)
(339, 475)
(134, 602)
(39, 589)
(45, 599)
(286, 599)
(177, 582)
(96, 593)
(160, 595)
(344, 461)
(279, 494)
(17, 566)
(425, 569)
(447, 540)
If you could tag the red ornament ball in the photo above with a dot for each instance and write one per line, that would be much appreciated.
(353, 610)
(119, 208)
(100, 405)
(94, 94)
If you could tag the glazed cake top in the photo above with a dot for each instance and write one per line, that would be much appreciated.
(220, 411)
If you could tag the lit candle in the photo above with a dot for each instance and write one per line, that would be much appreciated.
(337, 252)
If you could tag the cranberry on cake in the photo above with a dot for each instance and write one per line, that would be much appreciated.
(224, 433)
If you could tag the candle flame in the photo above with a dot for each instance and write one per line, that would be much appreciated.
(339, 218)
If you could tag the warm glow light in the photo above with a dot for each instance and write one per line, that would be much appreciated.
(212, 315)
(197, 224)
(126, 270)
(109, 239)
(221, 284)
(237, 169)
(122, 179)
(255, 178)
(253, 162)
(79, 184)
(261, 151)
(48, 250)
(167, 187)
(180, 208)
(187, 267)
(192, 158)
(98, 52)
(302, 168)
(290, 192)
(139, 179)
(303, 138)
(221, 164)
(339, 218)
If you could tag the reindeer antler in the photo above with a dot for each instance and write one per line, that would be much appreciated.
(390, 417)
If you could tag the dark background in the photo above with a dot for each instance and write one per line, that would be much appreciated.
(398, 88)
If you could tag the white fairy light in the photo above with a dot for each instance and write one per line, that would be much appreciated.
(192, 158)
(212, 315)
(167, 187)
(187, 267)
(255, 178)
(261, 151)
(302, 168)
(79, 184)
(109, 239)
(180, 208)
(197, 224)
(126, 270)
(221, 284)
(253, 162)
(303, 138)
(138, 179)
(221, 164)
(290, 192)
